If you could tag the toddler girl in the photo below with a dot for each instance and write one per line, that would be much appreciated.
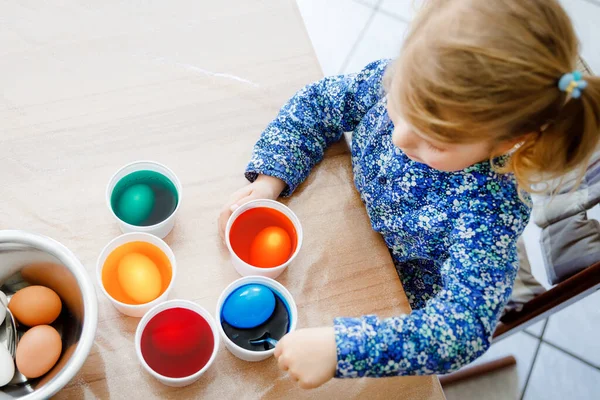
(481, 105)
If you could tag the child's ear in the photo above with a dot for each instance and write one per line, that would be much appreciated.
(507, 146)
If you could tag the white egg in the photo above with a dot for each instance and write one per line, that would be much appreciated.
(7, 366)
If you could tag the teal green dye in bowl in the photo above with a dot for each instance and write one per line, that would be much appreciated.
(144, 198)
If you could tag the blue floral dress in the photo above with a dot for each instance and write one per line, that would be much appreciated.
(452, 235)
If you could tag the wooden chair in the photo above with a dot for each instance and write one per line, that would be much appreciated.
(540, 307)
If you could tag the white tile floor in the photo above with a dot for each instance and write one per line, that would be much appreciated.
(557, 360)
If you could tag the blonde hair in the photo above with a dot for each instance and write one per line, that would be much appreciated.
(473, 70)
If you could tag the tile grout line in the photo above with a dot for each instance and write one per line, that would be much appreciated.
(364, 3)
(386, 12)
(360, 37)
(567, 352)
(533, 335)
(394, 16)
(561, 349)
(535, 355)
(545, 321)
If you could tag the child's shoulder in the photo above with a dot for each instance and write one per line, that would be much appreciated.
(480, 189)
(490, 191)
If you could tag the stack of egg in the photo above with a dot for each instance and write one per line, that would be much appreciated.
(38, 350)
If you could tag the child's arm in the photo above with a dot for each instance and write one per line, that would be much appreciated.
(453, 329)
(314, 118)
(296, 139)
(456, 326)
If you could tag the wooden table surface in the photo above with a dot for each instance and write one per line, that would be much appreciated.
(88, 86)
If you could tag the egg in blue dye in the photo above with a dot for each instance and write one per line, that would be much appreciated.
(135, 204)
(249, 306)
(276, 327)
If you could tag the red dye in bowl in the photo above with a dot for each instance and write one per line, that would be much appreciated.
(177, 342)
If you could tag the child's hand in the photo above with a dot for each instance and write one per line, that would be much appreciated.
(309, 356)
(264, 187)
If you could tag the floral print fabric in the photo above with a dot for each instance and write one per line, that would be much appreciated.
(452, 235)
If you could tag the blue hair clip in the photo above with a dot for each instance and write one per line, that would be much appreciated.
(572, 84)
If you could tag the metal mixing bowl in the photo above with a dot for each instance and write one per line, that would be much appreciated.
(30, 259)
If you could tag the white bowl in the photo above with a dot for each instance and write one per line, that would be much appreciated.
(136, 310)
(239, 352)
(242, 267)
(187, 380)
(161, 229)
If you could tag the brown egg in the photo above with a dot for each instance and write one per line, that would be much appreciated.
(38, 351)
(35, 305)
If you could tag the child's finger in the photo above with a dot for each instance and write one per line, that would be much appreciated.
(246, 196)
(244, 200)
(282, 363)
(223, 218)
(278, 350)
(240, 193)
(293, 376)
(306, 384)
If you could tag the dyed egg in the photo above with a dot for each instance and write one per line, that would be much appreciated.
(7, 366)
(270, 248)
(249, 306)
(38, 351)
(35, 305)
(139, 277)
(136, 204)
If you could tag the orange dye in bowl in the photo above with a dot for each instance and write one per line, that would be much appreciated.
(263, 237)
(110, 270)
